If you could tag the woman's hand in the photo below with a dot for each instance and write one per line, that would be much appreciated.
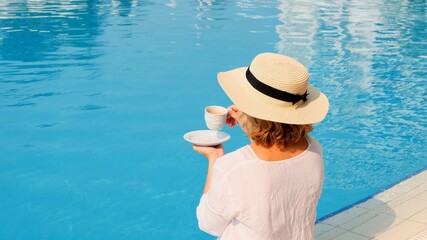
(232, 116)
(211, 153)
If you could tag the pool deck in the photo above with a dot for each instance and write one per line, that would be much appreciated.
(398, 213)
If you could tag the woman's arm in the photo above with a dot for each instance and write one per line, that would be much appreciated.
(211, 153)
(211, 220)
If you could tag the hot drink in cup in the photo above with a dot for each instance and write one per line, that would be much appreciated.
(215, 117)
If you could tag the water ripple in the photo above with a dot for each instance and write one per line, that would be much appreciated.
(107, 85)
(47, 125)
(22, 104)
(91, 107)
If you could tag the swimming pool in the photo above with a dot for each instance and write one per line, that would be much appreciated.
(96, 95)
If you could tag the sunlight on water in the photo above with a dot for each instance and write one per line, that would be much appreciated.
(96, 95)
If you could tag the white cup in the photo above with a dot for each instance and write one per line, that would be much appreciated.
(215, 117)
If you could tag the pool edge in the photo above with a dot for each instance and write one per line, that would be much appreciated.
(370, 196)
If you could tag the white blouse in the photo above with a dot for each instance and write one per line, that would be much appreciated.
(251, 199)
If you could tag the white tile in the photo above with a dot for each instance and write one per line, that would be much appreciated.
(382, 216)
(376, 225)
(384, 208)
(420, 217)
(371, 204)
(408, 208)
(402, 231)
(321, 228)
(330, 234)
(359, 220)
(406, 189)
(422, 196)
(423, 175)
(350, 236)
(424, 185)
(420, 236)
(345, 216)
(396, 202)
(417, 191)
(407, 185)
(387, 195)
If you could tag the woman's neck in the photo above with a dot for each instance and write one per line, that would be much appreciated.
(276, 153)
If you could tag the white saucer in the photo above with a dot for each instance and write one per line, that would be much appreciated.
(206, 137)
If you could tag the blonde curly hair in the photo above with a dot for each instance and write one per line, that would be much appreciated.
(268, 133)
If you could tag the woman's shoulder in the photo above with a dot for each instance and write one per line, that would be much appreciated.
(314, 145)
(233, 159)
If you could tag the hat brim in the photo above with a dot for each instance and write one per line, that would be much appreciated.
(261, 106)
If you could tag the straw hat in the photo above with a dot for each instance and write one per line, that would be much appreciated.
(275, 88)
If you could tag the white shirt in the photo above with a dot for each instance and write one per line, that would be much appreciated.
(253, 199)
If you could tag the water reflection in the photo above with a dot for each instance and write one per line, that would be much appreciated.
(296, 33)
(210, 14)
(367, 58)
(110, 84)
(42, 40)
(128, 8)
(35, 30)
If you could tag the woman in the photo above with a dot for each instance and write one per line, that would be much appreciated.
(268, 189)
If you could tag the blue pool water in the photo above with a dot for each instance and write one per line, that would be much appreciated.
(95, 97)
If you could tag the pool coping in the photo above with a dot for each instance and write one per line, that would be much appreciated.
(397, 213)
(371, 196)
